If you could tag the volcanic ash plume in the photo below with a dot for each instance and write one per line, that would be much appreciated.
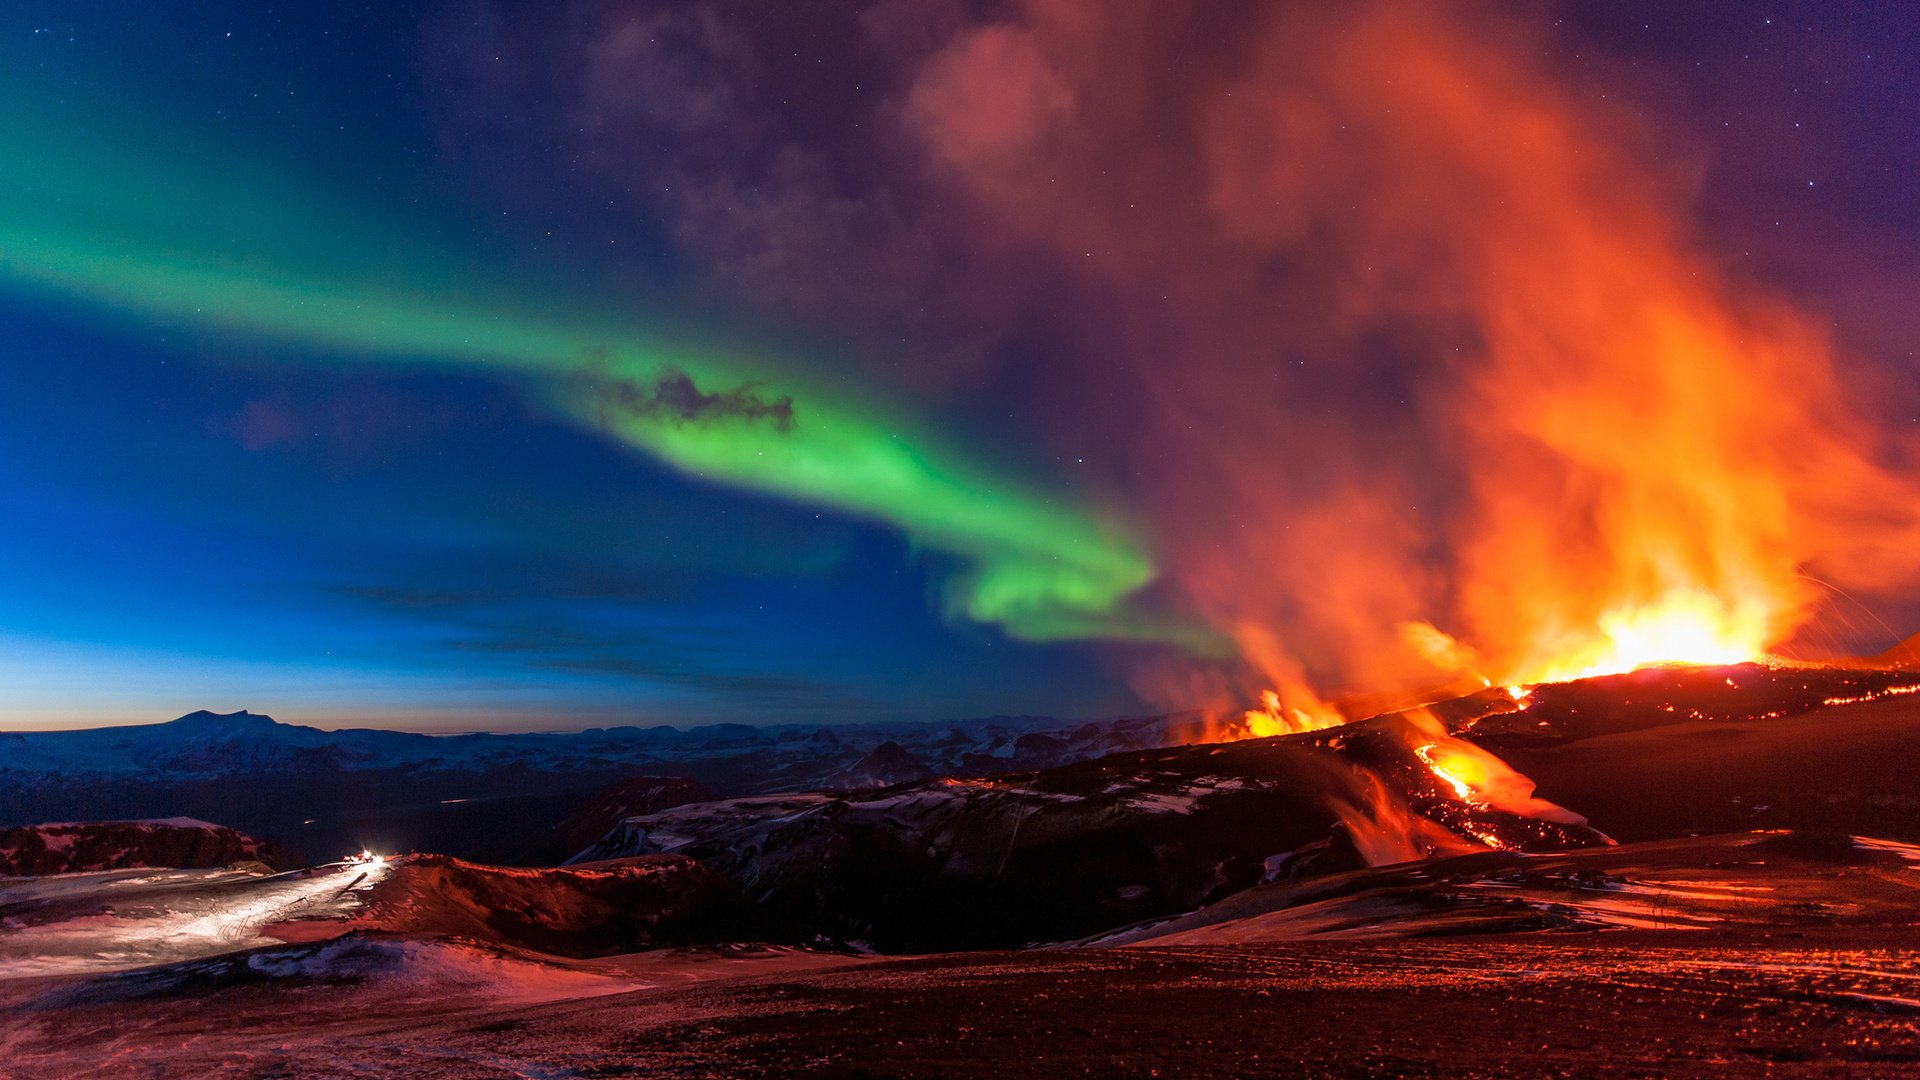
(1423, 346)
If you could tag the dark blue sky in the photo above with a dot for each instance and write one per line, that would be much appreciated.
(425, 549)
(195, 522)
(196, 518)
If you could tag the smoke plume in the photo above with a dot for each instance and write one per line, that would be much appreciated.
(1400, 339)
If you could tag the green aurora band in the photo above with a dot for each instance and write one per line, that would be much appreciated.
(216, 249)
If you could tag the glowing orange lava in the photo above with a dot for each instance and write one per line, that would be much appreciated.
(1281, 716)
(1684, 627)
(1448, 768)
(1476, 776)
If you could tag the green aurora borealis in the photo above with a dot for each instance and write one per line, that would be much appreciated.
(238, 255)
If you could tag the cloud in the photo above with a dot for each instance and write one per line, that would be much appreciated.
(987, 99)
(672, 396)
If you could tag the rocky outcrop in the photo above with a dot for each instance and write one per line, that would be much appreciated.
(1060, 853)
(596, 909)
(176, 843)
(888, 764)
(632, 797)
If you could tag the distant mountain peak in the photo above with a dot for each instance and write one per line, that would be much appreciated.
(204, 718)
(887, 764)
(1904, 655)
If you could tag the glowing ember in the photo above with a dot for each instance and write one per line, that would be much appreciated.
(1891, 691)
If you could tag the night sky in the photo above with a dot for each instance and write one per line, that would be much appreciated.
(455, 366)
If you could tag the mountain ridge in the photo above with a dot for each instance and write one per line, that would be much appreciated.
(323, 792)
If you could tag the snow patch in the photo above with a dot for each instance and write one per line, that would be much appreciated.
(1908, 853)
(437, 966)
(1159, 803)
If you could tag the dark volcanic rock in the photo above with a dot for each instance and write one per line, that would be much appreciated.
(1065, 852)
(596, 909)
(888, 764)
(1667, 752)
(1665, 696)
(175, 843)
(1035, 750)
(616, 802)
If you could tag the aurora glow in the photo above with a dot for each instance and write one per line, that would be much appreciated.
(1034, 564)
(468, 363)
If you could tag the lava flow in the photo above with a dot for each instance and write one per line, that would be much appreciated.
(1690, 628)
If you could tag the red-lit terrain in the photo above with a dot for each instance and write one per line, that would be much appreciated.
(1212, 909)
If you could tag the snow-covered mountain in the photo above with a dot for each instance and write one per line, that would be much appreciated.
(327, 792)
(203, 745)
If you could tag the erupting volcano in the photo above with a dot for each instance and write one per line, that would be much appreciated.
(1620, 455)
(959, 537)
